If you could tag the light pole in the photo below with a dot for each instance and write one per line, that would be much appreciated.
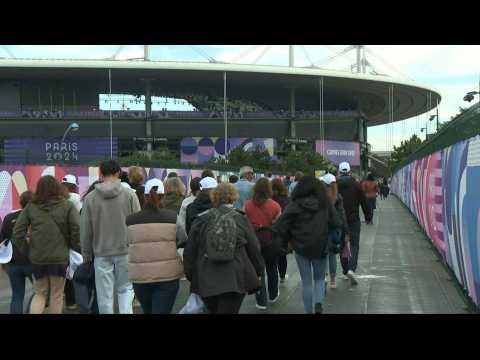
(433, 117)
(426, 131)
(71, 127)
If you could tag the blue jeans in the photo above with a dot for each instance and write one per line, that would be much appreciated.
(305, 267)
(112, 272)
(157, 297)
(17, 274)
(332, 265)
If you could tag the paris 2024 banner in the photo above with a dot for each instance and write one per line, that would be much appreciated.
(442, 190)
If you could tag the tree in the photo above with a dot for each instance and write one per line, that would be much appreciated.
(402, 152)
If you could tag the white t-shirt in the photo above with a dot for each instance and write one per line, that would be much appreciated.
(76, 200)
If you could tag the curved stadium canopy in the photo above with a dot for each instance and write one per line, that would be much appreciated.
(266, 85)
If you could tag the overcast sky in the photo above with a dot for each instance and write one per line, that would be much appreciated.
(453, 70)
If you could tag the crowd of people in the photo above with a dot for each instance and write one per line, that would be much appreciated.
(126, 240)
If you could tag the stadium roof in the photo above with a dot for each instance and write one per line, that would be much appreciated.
(265, 84)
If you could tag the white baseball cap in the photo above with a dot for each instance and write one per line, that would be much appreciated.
(208, 183)
(70, 179)
(344, 167)
(328, 179)
(154, 182)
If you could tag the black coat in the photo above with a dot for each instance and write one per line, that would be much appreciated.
(341, 214)
(306, 223)
(239, 275)
(201, 204)
(353, 197)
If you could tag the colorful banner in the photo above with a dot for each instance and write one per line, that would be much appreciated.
(52, 150)
(339, 151)
(442, 191)
(200, 150)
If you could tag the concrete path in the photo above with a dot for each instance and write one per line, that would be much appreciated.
(398, 273)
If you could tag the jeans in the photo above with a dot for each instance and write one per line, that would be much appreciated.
(282, 266)
(351, 264)
(112, 272)
(332, 265)
(157, 297)
(270, 256)
(51, 287)
(17, 275)
(305, 267)
(228, 303)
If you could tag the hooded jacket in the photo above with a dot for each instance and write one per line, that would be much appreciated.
(54, 230)
(239, 275)
(353, 197)
(103, 226)
(306, 223)
(199, 205)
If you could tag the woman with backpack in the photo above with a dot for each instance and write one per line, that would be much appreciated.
(154, 266)
(305, 223)
(337, 236)
(262, 211)
(280, 195)
(55, 229)
(222, 258)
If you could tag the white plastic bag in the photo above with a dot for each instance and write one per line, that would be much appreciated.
(194, 305)
(76, 259)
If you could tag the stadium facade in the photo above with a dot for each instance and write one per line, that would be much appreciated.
(332, 110)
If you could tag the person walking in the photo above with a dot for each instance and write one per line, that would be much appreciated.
(154, 266)
(262, 211)
(305, 224)
(370, 189)
(222, 257)
(353, 198)
(174, 194)
(280, 195)
(182, 216)
(337, 236)
(46, 230)
(70, 183)
(104, 238)
(202, 203)
(244, 187)
(19, 269)
(136, 179)
(298, 177)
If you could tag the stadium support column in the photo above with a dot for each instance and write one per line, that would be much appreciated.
(293, 132)
(148, 116)
(359, 62)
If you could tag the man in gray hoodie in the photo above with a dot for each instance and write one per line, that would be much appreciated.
(103, 235)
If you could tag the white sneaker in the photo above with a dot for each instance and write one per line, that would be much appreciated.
(284, 280)
(345, 277)
(351, 276)
(260, 307)
(276, 298)
(333, 284)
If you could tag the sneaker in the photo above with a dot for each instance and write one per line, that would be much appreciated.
(345, 277)
(273, 301)
(260, 307)
(318, 308)
(72, 307)
(333, 284)
(284, 280)
(351, 276)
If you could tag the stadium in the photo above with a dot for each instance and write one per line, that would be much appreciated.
(272, 106)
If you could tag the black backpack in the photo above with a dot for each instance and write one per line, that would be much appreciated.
(221, 236)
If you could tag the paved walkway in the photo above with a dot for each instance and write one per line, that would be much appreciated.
(398, 272)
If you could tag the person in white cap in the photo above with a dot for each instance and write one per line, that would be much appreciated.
(202, 203)
(154, 266)
(353, 197)
(337, 237)
(70, 182)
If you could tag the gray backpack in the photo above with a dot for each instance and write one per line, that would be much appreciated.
(221, 236)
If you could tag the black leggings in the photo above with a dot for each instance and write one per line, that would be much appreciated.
(227, 303)
(282, 266)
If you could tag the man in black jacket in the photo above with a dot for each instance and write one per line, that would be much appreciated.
(353, 197)
(202, 203)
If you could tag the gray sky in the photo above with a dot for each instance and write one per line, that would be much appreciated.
(453, 70)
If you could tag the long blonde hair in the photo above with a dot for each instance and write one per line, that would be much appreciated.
(332, 192)
(174, 185)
